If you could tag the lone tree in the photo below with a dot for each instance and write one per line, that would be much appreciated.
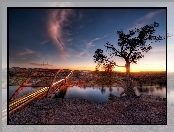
(132, 46)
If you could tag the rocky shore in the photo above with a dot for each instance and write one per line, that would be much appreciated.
(145, 109)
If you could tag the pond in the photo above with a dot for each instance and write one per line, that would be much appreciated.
(96, 94)
(99, 95)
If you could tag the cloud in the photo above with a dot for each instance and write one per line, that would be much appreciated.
(82, 53)
(26, 52)
(69, 40)
(58, 19)
(44, 42)
(150, 15)
(91, 42)
(80, 27)
(136, 26)
(105, 36)
(65, 55)
(17, 58)
(88, 45)
(143, 20)
(40, 64)
(80, 15)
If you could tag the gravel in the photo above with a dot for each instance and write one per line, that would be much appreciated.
(145, 109)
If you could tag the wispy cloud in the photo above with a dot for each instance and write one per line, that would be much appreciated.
(65, 55)
(88, 45)
(143, 20)
(69, 40)
(40, 64)
(150, 15)
(44, 42)
(17, 58)
(91, 43)
(82, 53)
(26, 52)
(80, 15)
(105, 36)
(137, 25)
(80, 27)
(56, 22)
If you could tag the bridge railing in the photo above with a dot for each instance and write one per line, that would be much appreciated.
(24, 101)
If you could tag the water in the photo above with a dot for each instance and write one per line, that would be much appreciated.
(159, 91)
(98, 95)
(12, 89)
(24, 91)
(95, 94)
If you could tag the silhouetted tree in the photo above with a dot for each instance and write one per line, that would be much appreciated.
(107, 65)
(103, 61)
(131, 49)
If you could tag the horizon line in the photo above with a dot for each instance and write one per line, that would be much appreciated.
(92, 70)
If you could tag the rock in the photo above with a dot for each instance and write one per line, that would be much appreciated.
(122, 110)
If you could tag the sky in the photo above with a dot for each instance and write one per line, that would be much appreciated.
(68, 38)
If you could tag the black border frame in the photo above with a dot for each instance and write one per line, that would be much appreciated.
(8, 8)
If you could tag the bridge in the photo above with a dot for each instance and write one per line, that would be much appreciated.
(47, 82)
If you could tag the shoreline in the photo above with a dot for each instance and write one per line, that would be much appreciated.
(145, 109)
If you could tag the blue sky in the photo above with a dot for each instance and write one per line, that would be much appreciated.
(68, 38)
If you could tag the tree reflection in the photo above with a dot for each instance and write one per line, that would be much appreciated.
(160, 87)
(151, 89)
(143, 90)
(103, 90)
(110, 89)
(60, 94)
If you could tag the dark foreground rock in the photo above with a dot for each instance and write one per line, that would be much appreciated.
(142, 110)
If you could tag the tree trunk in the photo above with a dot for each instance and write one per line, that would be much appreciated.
(127, 74)
(130, 90)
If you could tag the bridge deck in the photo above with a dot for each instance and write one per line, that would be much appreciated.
(22, 102)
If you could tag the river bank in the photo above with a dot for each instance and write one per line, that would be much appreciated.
(145, 109)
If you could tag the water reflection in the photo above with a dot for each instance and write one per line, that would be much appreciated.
(103, 90)
(156, 90)
(143, 90)
(23, 92)
(100, 94)
(96, 94)
(110, 89)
